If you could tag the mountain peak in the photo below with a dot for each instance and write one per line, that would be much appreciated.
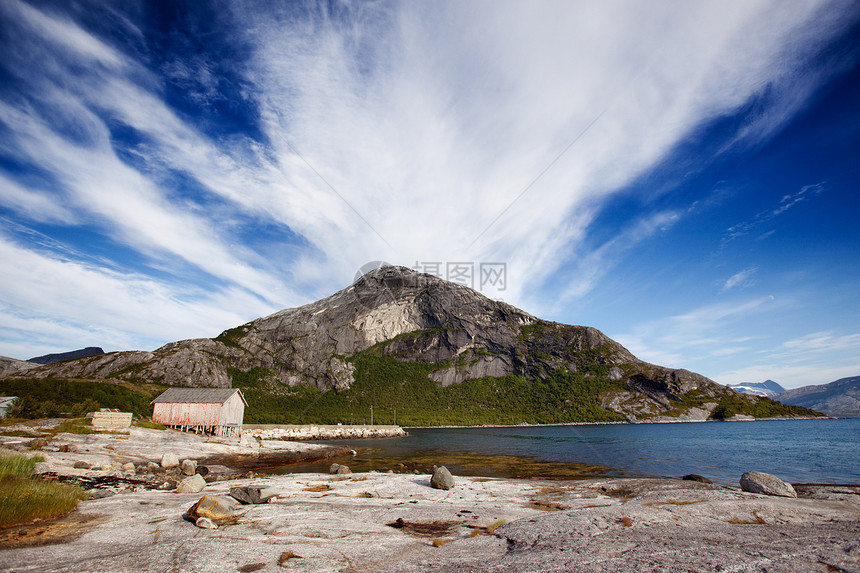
(449, 333)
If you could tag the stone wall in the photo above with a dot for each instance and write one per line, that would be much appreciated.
(320, 432)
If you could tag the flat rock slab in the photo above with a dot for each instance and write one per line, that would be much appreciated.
(334, 523)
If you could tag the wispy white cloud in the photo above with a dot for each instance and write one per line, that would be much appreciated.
(785, 203)
(49, 300)
(417, 123)
(740, 279)
(697, 335)
(815, 358)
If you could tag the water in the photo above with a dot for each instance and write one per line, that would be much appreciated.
(798, 451)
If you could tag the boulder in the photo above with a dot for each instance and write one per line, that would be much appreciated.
(189, 467)
(442, 478)
(191, 484)
(339, 469)
(220, 509)
(152, 467)
(768, 484)
(252, 494)
(169, 460)
(82, 465)
(696, 477)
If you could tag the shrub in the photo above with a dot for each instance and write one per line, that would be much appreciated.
(50, 397)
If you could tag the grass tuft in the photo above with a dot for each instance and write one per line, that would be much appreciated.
(150, 425)
(75, 426)
(24, 497)
(16, 465)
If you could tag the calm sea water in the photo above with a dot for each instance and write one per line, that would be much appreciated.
(798, 451)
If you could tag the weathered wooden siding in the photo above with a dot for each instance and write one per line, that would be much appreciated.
(232, 411)
(187, 414)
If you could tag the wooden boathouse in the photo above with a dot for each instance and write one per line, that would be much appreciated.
(215, 411)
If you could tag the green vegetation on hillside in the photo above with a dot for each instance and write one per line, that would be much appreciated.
(402, 392)
(50, 397)
(24, 497)
(731, 405)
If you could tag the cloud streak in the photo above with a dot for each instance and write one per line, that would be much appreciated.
(398, 131)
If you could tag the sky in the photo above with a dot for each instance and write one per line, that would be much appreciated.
(680, 175)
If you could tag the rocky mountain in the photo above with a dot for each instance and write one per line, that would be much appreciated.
(9, 366)
(53, 358)
(840, 398)
(417, 343)
(767, 388)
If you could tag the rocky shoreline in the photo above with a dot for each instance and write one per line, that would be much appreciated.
(398, 523)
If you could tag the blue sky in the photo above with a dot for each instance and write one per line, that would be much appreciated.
(680, 175)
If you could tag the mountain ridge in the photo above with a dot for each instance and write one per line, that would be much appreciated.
(840, 398)
(767, 388)
(410, 330)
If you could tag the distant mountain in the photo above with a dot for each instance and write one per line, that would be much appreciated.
(425, 351)
(767, 388)
(840, 398)
(82, 353)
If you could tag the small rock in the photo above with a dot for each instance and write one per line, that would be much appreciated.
(129, 468)
(696, 477)
(169, 484)
(169, 460)
(768, 484)
(339, 469)
(203, 470)
(152, 467)
(64, 448)
(252, 494)
(107, 467)
(220, 509)
(205, 523)
(101, 493)
(442, 478)
(37, 443)
(191, 484)
(189, 467)
(82, 465)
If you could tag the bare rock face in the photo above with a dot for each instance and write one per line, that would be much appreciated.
(768, 484)
(9, 366)
(413, 317)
